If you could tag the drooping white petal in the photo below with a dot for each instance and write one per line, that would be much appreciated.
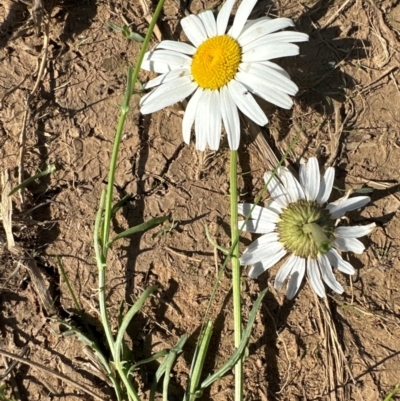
(223, 16)
(190, 114)
(327, 274)
(310, 178)
(267, 262)
(230, 117)
(292, 186)
(314, 276)
(179, 47)
(276, 38)
(167, 94)
(194, 29)
(276, 189)
(354, 231)
(201, 124)
(269, 52)
(349, 245)
(267, 90)
(246, 103)
(241, 16)
(271, 76)
(214, 120)
(168, 76)
(325, 188)
(260, 249)
(261, 28)
(259, 213)
(256, 226)
(337, 261)
(343, 205)
(274, 67)
(284, 271)
(296, 278)
(208, 20)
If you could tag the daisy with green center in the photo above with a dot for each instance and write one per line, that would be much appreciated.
(298, 222)
(221, 70)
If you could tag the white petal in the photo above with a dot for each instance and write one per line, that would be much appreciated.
(343, 205)
(276, 38)
(292, 186)
(349, 245)
(246, 103)
(179, 47)
(214, 120)
(167, 94)
(273, 206)
(260, 87)
(168, 76)
(190, 115)
(271, 77)
(296, 278)
(223, 16)
(201, 124)
(354, 231)
(241, 16)
(208, 20)
(275, 67)
(325, 188)
(162, 61)
(276, 189)
(327, 274)
(314, 276)
(310, 178)
(251, 22)
(268, 261)
(337, 261)
(258, 213)
(261, 28)
(194, 29)
(259, 249)
(284, 271)
(230, 117)
(256, 226)
(269, 52)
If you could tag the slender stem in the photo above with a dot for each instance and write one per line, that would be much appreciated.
(132, 78)
(237, 313)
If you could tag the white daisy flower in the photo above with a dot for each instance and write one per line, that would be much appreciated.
(221, 70)
(299, 223)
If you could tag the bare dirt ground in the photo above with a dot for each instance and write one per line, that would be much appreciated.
(60, 90)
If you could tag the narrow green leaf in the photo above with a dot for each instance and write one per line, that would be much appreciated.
(152, 358)
(120, 204)
(166, 366)
(126, 320)
(140, 227)
(197, 370)
(49, 170)
(227, 366)
(363, 190)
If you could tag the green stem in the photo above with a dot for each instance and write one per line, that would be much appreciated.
(102, 228)
(132, 78)
(236, 272)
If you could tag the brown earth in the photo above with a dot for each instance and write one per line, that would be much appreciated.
(347, 113)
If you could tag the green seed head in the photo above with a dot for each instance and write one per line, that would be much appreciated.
(306, 229)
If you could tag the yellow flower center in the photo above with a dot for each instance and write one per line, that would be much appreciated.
(216, 62)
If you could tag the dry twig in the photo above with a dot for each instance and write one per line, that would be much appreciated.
(51, 372)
